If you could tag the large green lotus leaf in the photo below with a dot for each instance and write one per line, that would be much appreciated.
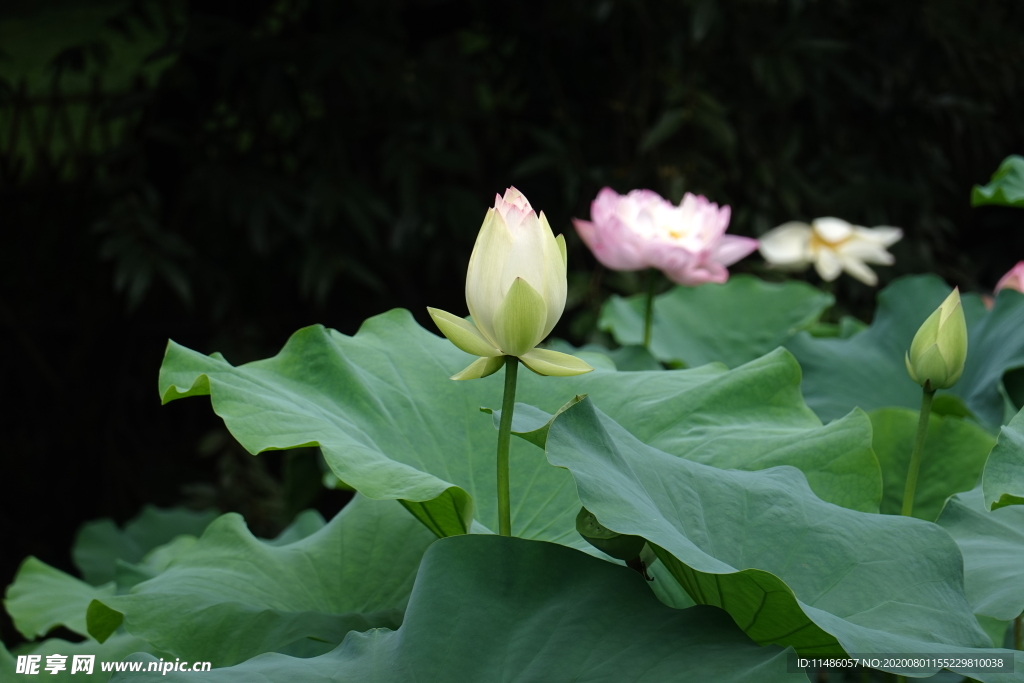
(955, 451)
(996, 345)
(386, 417)
(115, 649)
(750, 418)
(992, 544)
(789, 568)
(632, 358)
(43, 598)
(844, 329)
(306, 523)
(868, 370)
(488, 608)
(392, 425)
(1003, 478)
(1006, 188)
(233, 596)
(733, 323)
(99, 544)
(997, 630)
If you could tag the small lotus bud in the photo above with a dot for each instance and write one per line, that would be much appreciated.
(937, 354)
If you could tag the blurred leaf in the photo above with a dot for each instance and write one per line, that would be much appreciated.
(955, 451)
(664, 128)
(868, 369)
(992, 544)
(100, 543)
(1006, 187)
(141, 248)
(844, 329)
(306, 523)
(733, 323)
(1003, 479)
(43, 598)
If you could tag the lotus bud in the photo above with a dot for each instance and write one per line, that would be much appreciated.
(937, 354)
(515, 292)
(630, 549)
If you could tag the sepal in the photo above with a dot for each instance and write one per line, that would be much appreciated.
(519, 323)
(554, 363)
(462, 333)
(481, 367)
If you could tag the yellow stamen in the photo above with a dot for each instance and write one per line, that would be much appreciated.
(817, 241)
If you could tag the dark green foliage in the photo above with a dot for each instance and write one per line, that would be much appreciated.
(342, 150)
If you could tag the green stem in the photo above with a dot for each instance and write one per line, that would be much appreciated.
(508, 404)
(649, 307)
(1018, 637)
(915, 458)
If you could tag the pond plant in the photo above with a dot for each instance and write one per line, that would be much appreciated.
(791, 488)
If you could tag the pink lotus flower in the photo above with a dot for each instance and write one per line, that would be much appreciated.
(1013, 279)
(642, 230)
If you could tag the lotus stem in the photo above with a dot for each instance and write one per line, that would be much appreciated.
(927, 395)
(649, 307)
(1018, 637)
(508, 404)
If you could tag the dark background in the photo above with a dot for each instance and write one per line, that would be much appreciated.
(224, 172)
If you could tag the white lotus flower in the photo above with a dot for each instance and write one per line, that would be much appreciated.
(832, 245)
(515, 291)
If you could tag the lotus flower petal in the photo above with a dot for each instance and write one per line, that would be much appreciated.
(833, 230)
(787, 246)
(731, 248)
(828, 265)
(1014, 278)
(858, 269)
